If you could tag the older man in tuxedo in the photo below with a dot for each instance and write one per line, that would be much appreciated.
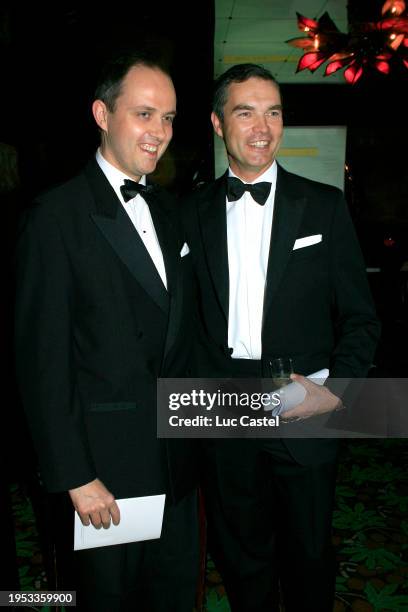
(103, 309)
(279, 274)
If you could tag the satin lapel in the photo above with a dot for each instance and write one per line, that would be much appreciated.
(213, 222)
(288, 211)
(170, 247)
(115, 225)
(162, 220)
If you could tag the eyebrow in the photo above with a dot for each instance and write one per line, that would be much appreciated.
(249, 107)
(151, 108)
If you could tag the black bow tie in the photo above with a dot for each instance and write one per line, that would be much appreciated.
(236, 189)
(130, 189)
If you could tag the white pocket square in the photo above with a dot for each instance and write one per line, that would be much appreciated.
(185, 250)
(307, 241)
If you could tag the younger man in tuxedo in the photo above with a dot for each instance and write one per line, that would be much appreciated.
(269, 504)
(102, 295)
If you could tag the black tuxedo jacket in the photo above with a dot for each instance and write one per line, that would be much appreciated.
(317, 306)
(95, 327)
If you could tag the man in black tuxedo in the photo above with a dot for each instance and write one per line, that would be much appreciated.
(279, 273)
(103, 309)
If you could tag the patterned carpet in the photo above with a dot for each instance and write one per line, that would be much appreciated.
(370, 533)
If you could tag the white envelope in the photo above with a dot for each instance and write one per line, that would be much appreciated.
(294, 393)
(185, 250)
(141, 519)
(307, 241)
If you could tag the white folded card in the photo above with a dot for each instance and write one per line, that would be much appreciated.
(294, 393)
(185, 250)
(141, 518)
(307, 241)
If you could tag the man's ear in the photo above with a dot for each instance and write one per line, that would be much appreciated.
(217, 125)
(100, 113)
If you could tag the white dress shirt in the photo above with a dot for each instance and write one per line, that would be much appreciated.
(138, 212)
(249, 228)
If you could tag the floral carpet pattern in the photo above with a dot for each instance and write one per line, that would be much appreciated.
(370, 533)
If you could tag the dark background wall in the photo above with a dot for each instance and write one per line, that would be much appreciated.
(50, 57)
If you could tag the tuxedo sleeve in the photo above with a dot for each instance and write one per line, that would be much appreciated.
(44, 352)
(357, 328)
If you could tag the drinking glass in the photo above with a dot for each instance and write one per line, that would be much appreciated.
(281, 368)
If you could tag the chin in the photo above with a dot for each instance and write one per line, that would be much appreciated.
(150, 168)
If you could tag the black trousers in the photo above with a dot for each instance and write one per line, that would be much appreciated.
(269, 524)
(153, 576)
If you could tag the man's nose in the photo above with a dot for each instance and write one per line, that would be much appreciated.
(260, 123)
(157, 128)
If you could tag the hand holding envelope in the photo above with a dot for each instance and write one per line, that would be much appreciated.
(95, 504)
(305, 397)
(141, 520)
(318, 399)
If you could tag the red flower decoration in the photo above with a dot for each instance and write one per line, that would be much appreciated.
(383, 67)
(370, 44)
(307, 25)
(353, 73)
(311, 61)
(395, 7)
(335, 65)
